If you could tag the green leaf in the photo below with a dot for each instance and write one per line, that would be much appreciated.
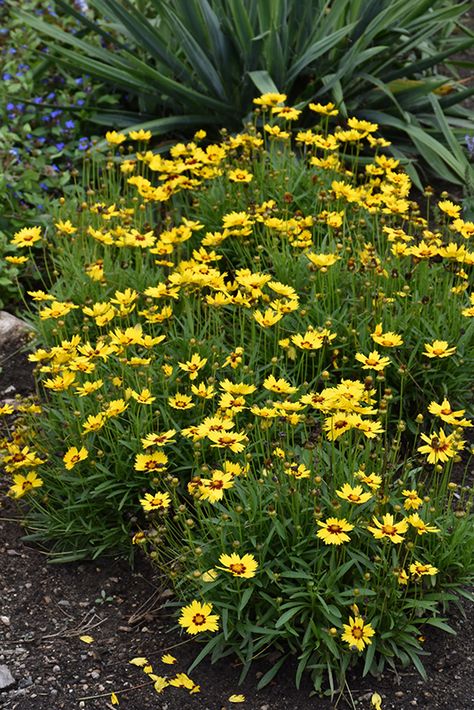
(440, 624)
(270, 674)
(369, 657)
(264, 82)
(244, 600)
(287, 615)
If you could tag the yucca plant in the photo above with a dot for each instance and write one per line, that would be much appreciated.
(194, 63)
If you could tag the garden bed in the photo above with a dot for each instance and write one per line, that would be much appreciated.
(46, 608)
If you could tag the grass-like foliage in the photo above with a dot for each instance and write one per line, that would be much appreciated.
(256, 359)
(197, 62)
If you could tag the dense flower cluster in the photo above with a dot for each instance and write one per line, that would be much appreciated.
(235, 336)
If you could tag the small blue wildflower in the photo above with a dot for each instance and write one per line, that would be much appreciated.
(69, 125)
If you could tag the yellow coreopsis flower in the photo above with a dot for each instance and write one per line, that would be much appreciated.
(438, 348)
(140, 135)
(193, 366)
(388, 339)
(115, 138)
(353, 494)
(334, 531)
(439, 447)
(388, 529)
(197, 617)
(156, 501)
(418, 569)
(26, 236)
(357, 633)
(239, 566)
(151, 462)
(373, 361)
(240, 176)
(73, 456)
(23, 484)
(270, 99)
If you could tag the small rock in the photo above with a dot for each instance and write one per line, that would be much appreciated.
(6, 679)
(11, 327)
(56, 669)
(5, 620)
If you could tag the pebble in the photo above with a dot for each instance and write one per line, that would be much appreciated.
(6, 679)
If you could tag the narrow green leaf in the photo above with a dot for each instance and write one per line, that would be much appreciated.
(269, 675)
(315, 51)
(263, 81)
(287, 615)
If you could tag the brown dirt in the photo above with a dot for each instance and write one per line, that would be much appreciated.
(44, 609)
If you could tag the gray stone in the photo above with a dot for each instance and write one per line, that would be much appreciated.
(11, 328)
(6, 679)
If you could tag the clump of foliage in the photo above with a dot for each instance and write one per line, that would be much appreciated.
(197, 62)
(44, 113)
(256, 363)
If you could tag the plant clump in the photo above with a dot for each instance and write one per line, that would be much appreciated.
(255, 363)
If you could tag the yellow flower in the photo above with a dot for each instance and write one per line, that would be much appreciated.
(418, 570)
(439, 447)
(197, 617)
(353, 494)
(387, 340)
(26, 236)
(74, 456)
(23, 484)
(140, 135)
(94, 422)
(280, 386)
(65, 227)
(240, 176)
(420, 525)
(143, 397)
(328, 109)
(162, 439)
(181, 401)
(357, 633)
(113, 699)
(267, 319)
(158, 501)
(228, 440)
(115, 138)
(387, 528)
(193, 366)
(373, 361)
(334, 531)
(270, 99)
(237, 698)
(450, 208)
(238, 566)
(151, 462)
(16, 260)
(438, 348)
(287, 112)
(412, 499)
(322, 260)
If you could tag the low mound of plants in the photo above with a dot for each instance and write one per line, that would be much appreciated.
(255, 362)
